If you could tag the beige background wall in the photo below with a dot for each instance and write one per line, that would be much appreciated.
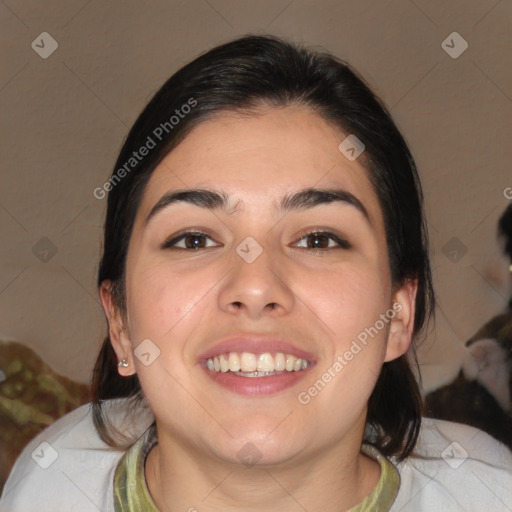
(64, 119)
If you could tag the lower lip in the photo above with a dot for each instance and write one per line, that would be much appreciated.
(256, 385)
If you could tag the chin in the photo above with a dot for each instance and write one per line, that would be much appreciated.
(257, 454)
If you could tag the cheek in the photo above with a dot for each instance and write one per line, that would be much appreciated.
(349, 304)
(162, 300)
(167, 307)
(348, 300)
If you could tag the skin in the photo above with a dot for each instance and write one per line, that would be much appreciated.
(186, 300)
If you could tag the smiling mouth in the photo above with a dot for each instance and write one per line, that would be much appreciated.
(248, 364)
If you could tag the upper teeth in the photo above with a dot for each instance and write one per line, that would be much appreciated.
(248, 362)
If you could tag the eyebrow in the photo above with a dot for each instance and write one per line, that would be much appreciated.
(303, 199)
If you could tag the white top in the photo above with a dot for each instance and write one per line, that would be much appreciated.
(68, 468)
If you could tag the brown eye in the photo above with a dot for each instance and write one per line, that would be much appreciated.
(190, 240)
(322, 240)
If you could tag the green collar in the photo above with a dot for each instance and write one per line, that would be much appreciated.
(131, 493)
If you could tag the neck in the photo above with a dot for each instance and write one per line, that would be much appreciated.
(337, 478)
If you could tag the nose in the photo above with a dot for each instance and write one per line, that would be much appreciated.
(256, 289)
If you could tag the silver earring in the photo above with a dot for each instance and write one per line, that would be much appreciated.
(123, 363)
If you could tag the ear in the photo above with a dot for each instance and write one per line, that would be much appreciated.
(402, 324)
(118, 333)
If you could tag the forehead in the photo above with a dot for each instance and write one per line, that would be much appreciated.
(258, 158)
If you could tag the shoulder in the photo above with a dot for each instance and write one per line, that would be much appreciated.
(455, 467)
(68, 466)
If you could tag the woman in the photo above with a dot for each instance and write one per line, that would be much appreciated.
(265, 269)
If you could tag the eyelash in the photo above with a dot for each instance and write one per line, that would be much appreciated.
(342, 244)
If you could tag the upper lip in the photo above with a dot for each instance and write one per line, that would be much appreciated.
(256, 344)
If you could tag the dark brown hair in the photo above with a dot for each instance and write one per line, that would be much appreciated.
(240, 76)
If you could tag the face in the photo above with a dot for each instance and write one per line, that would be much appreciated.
(255, 271)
